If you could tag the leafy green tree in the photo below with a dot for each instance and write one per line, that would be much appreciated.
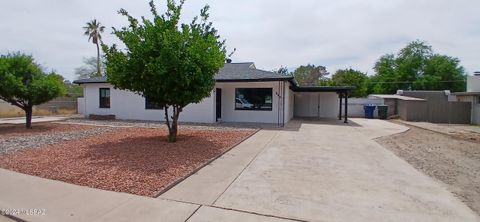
(442, 72)
(24, 84)
(89, 69)
(170, 63)
(283, 70)
(73, 90)
(417, 67)
(310, 75)
(94, 30)
(351, 77)
(386, 79)
(326, 82)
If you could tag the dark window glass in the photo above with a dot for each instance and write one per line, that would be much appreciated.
(104, 98)
(152, 105)
(253, 99)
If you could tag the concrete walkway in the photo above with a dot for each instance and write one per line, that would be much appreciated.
(67, 202)
(309, 171)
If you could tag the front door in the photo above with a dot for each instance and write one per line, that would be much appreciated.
(219, 103)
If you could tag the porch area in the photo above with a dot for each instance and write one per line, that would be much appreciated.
(321, 102)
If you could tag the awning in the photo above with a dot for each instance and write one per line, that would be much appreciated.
(338, 89)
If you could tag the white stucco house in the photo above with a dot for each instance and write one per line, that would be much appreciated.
(472, 95)
(242, 93)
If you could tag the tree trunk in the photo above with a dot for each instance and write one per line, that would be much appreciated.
(99, 68)
(173, 125)
(172, 134)
(28, 117)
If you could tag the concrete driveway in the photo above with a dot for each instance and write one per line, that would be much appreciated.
(317, 171)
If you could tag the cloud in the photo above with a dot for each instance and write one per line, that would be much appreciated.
(271, 33)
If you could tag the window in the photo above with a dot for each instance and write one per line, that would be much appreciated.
(152, 105)
(104, 98)
(478, 99)
(253, 99)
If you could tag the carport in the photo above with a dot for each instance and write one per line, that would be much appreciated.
(321, 101)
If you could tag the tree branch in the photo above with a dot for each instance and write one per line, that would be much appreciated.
(14, 102)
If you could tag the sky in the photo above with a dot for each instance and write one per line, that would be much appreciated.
(272, 33)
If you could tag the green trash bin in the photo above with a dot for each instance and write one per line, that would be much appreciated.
(382, 111)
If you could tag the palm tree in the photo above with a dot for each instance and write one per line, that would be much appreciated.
(93, 30)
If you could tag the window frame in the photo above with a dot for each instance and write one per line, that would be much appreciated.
(252, 88)
(152, 108)
(101, 105)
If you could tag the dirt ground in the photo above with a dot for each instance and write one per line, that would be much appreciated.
(132, 160)
(453, 160)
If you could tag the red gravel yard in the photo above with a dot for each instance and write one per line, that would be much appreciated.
(132, 160)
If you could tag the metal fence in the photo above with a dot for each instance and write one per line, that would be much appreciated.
(436, 109)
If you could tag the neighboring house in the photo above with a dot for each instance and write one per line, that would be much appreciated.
(427, 106)
(242, 93)
(472, 95)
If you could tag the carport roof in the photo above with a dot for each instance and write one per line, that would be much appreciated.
(297, 88)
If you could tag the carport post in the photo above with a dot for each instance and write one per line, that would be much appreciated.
(340, 106)
(346, 107)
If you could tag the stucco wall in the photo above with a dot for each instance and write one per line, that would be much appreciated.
(128, 105)
(289, 102)
(473, 84)
(229, 114)
(355, 106)
(316, 104)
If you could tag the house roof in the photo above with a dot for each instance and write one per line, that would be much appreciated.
(101, 79)
(231, 72)
(238, 72)
(247, 72)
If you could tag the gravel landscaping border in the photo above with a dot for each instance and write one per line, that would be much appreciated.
(18, 138)
(160, 124)
(136, 160)
(16, 130)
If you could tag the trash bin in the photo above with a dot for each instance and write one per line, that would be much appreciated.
(382, 111)
(369, 110)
